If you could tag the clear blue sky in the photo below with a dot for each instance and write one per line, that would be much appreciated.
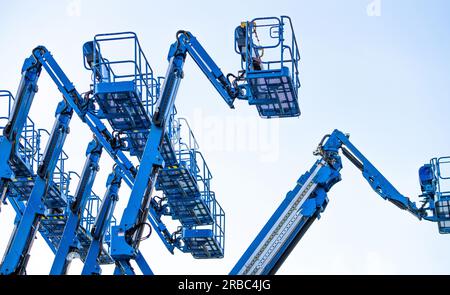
(384, 79)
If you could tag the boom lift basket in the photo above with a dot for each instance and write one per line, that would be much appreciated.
(441, 167)
(124, 86)
(269, 61)
(186, 187)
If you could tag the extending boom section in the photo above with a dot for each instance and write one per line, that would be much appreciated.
(290, 221)
(84, 190)
(308, 199)
(17, 253)
(17, 119)
(101, 225)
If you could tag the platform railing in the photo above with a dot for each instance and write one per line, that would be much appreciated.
(272, 42)
(219, 221)
(126, 67)
(60, 175)
(441, 169)
(27, 144)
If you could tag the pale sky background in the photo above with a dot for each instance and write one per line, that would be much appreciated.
(383, 77)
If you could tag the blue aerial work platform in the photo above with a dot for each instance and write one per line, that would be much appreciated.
(309, 198)
(435, 186)
(124, 86)
(270, 58)
(141, 120)
(29, 154)
(126, 91)
(187, 197)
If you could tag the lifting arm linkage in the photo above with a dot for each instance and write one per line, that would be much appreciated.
(81, 108)
(24, 98)
(127, 236)
(187, 41)
(102, 223)
(375, 179)
(17, 253)
(82, 194)
(308, 199)
(17, 119)
(290, 221)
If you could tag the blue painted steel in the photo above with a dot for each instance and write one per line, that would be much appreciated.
(17, 119)
(143, 265)
(102, 223)
(269, 61)
(126, 89)
(207, 65)
(18, 155)
(142, 126)
(74, 99)
(74, 216)
(126, 237)
(375, 179)
(309, 198)
(17, 253)
(435, 185)
(187, 196)
(290, 220)
(124, 267)
(19, 189)
(126, 98)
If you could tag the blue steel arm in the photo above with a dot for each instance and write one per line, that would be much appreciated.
(11, 133)
(31, 71)
(43, 58)
(81, 108)
(97, 127)
(84, 189)
(300, 208)
(375, 179)
(308, 199)
(102, 222)
(127, 236)
(187, 41)
(143, 265)
(17, 253)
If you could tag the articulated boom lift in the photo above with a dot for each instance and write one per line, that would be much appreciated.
(24, 162)
(131, 112)
(309, 199)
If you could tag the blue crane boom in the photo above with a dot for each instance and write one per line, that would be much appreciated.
(17, 119)
(91, 265)
(84, 189)
(304, 204)
(24, 163)
(144, 129)
(127, 235)
(17, 253)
